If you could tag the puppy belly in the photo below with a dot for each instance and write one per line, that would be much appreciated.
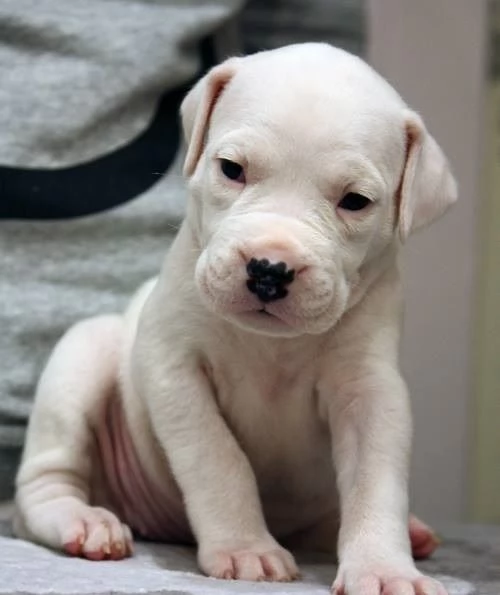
(152, 511)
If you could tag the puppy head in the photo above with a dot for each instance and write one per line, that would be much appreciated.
(306, 169)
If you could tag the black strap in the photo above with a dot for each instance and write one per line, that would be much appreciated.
(107, 181)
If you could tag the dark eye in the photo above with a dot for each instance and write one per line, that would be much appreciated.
(232, 170)
(354, 202)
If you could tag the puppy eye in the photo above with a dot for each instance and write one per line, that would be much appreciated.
(354, 202)
(232, 170)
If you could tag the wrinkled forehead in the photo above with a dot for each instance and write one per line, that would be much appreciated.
(331, 107)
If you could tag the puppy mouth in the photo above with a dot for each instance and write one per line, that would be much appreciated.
(260, 320)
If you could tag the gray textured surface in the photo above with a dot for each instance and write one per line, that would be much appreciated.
(26, 568)
(468, 563)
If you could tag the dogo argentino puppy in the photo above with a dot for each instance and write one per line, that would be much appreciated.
(250, 399)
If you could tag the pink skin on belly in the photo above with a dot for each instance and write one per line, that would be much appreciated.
(151, 513)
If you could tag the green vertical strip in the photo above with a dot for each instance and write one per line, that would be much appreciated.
(485, 488)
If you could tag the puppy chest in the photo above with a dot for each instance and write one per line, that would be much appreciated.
(272, 412)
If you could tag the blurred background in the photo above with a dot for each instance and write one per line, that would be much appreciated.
(443, 67)
(443, 56)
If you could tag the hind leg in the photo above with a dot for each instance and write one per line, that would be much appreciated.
(423, 539)
(53, 483)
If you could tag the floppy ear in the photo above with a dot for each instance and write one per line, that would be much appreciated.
(428, 187)
(197, 108)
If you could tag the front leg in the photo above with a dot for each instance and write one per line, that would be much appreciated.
(213, 473)
(370, 421)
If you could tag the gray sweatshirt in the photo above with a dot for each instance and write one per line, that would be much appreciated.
(90, 186)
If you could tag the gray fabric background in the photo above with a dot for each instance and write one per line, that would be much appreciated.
(271, 23)
(80, 78)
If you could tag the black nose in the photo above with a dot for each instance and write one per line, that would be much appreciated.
(268, 281)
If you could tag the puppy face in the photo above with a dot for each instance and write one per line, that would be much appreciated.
(298, 161)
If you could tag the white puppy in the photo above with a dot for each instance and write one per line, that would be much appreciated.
(252, 394)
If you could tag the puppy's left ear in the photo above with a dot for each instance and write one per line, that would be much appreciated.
(428, 187)
(198, 106)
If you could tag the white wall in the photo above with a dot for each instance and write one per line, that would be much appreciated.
(433, 53)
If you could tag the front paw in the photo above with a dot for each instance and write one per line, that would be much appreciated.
(259, 560)
(384, 579)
